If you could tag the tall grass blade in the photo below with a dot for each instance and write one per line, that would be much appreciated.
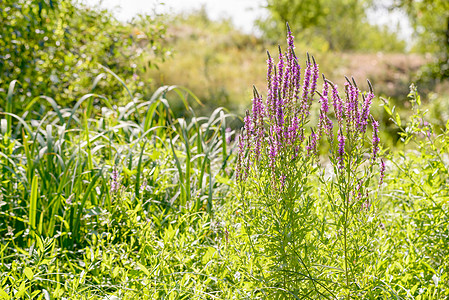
(33, 202)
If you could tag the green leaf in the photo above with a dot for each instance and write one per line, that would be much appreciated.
(33, 202)
(223, 180)
(155, 155)
(4, 295)
(115, 272)
(398, 120)
(144, 269)
(21, 291)
(28, 273)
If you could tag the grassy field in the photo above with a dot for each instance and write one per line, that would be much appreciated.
(119, 196)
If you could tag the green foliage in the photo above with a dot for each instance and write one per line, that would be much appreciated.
(108, 195)
(416, 209)
(103, 189)
(430, 20)
(54, 48)
(335, 25)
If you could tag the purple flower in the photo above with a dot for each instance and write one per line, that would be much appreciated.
(358, 190)
(354, 96)
(329, 126)
(315, 75)
(305, 88)
(269, 81)
(376, 139)
(291, 45)
(323, 99)
(325, 91)
(286, 88)
(293, 130)
(352, 107)
(280, 66)
(325, 125)
(338, 105)
(257, 122)
(341, 150)
(115, 181)
(296, 80)
(282, 181)
(248, 120)
(365, 111)
(269, 70)
(312, 144)
(367, 205)
(382, 172)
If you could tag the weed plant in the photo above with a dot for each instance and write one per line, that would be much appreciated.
(310, 232)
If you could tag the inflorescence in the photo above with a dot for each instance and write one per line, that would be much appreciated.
(275, 130)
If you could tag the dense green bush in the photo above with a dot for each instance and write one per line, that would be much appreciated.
(57, 49)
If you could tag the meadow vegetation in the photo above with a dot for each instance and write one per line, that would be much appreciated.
(115, 186)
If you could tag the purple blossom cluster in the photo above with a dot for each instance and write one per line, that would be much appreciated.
(274, 132)
(352, 115)
(115, 181)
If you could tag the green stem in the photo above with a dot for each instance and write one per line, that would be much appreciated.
(345, 224)
(346, 262)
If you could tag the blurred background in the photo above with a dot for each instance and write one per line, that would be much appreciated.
(217, 49)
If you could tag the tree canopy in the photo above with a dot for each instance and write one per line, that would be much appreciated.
(56, 48)
(339, 24)
(430, 20)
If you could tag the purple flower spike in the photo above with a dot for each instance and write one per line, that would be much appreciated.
(296, 80)
(338, 105)
(115, 181)
(382, 172)
(365, 111)
(258, 128)
(293, 130)
(291, 45)
(272, 153)
(341, 150)
(306, 84)
(354, 92)
(269, 70)
(323, 98)
(315, 75)
(351, 110)
(376, 139)
(280, 67)
(269, 80)
(287, 87)
(312, 144)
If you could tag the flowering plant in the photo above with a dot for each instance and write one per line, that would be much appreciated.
(303, 244)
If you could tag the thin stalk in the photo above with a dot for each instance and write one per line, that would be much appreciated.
(345, 224)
